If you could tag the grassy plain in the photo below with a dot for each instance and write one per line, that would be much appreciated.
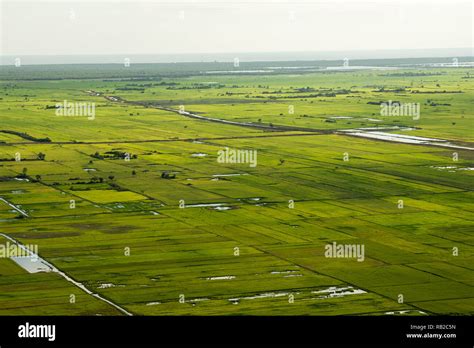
(129, 240)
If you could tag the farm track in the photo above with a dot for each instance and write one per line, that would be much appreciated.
(280, 128)
(347, 206)
(268, 127)
(22, 212)
(67, 277)
(272, 129)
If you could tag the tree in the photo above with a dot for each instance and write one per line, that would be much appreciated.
(38, 177)
(41, 156)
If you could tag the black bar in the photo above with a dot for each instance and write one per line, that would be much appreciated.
(290, 331)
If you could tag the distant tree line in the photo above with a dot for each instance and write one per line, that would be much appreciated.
(26, 136)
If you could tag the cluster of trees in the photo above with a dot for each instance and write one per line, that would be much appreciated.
(41, 157)
(198, 86)
(433, 103)
(168, 175)
(26, 136)
(24, 175)
(114, 155)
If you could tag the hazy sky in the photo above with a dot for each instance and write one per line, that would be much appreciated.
(168, 27)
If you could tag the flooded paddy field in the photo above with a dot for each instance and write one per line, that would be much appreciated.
(139, 207)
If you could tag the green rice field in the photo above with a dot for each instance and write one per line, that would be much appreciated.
(135, 205)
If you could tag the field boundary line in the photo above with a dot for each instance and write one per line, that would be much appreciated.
(68, 278)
